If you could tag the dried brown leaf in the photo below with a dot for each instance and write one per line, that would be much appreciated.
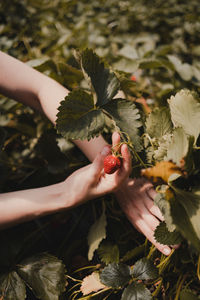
(161, 171)
(91, 284)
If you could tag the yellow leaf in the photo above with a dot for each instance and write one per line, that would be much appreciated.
(161, 171)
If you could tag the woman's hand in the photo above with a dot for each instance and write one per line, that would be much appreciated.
(91, 181)
(135, 197)
(136, 200)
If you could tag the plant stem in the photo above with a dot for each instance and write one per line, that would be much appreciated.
(136, 155)
(163, 264)
(179, 284)
(157, 290)
(95, 294)
(73, 279)
(198, 268)
(153, 248)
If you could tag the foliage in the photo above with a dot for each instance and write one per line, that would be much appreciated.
(96, 234)
(157, 43)
(43, 273)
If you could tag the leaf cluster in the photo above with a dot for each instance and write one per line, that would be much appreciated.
(120, 275)
(172, 134)
(83, 114)
(157, 43)
(44, 274)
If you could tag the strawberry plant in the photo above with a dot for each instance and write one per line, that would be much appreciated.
(151, 53)
(168, 143)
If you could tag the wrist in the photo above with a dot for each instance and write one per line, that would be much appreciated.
(73, 194)
(92, 147)
(63, 198)
(122, 190)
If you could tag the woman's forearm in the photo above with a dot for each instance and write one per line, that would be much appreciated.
(50, 96)
(20, 206)
(25, 84)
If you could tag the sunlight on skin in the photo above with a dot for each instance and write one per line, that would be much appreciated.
(43, 93)
(136, 200)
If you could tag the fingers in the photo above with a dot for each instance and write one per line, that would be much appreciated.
(151, 192)
(126, 165)
(149, 233)
(112, 182)
(97, 165)
(154, 209)
(141, 211)
(115, 140)
(146, 224)
(148, 193)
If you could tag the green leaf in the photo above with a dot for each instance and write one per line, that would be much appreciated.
(70, 76)
(196, 72)
(115, 275)
(136, 251)
(185, 112)
(104, 83)
(165, 209)
(152, 64)
(185, 212)
(77, 117)
(165, 237)
(12, 287)
(183, 69)
(150, 152)
(108, 253)
(178, 147)
(128, 51)
(127, 118)
(163, 145)
(136, 291)
(96, 234)
(186, 294)
(36, 63)
(159, 123)
(57, 161)
(45, 275)
(126, 65)
(144, 269)
(47, 66)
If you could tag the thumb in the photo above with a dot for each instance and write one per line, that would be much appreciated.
(97, 164)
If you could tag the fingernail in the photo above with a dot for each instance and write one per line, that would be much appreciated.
(166, 251)
(175, 246)
(105, 150)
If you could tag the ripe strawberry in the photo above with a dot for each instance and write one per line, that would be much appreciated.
(111, 164)
(133, 78)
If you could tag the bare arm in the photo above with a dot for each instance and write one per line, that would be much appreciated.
(29, 86)
(84, 184)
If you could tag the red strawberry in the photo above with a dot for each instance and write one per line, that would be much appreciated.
(133, 78)
(111, 164)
